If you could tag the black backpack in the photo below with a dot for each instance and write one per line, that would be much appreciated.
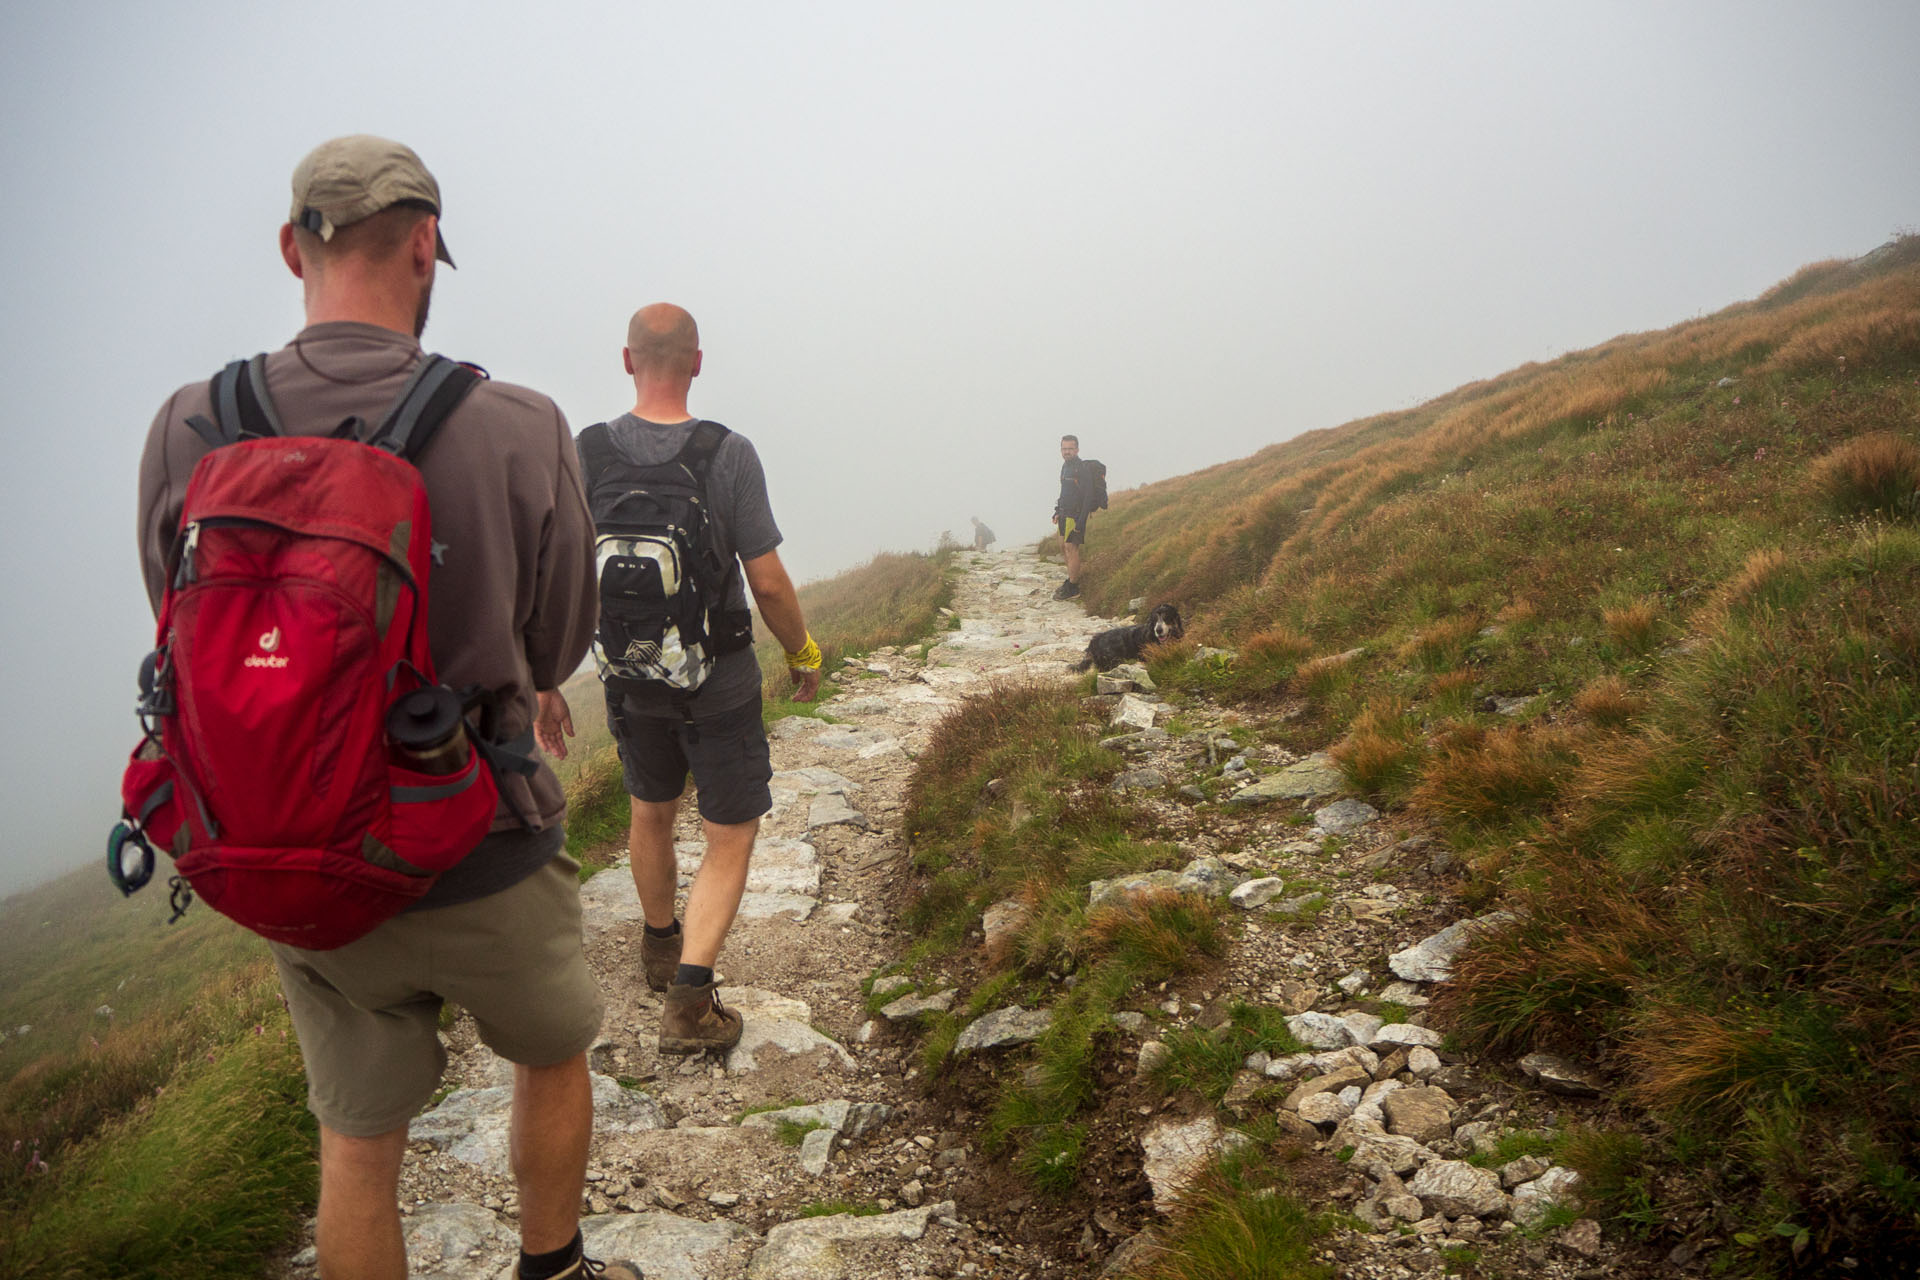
(1093, 478)
(663, 583)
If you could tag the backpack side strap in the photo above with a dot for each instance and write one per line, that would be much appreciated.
(435, 389)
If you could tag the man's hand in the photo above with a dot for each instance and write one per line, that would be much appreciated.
(554, 721)
(806, 682)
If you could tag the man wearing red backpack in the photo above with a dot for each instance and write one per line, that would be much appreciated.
(512, 593)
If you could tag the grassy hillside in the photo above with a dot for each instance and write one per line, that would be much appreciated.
(1637, 630)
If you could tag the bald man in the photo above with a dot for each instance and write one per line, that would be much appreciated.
(714, 732)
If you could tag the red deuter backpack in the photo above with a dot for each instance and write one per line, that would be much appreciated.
(295, 618)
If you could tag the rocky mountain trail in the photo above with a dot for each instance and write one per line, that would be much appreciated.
(812, 1149)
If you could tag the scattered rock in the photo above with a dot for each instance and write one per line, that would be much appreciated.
(907, 1008)
(1556, 1074)
(1176, 1153)
(1315, 776)
(1343, 816)
(1257, 893)
(1003, 1028)
(1431, 959)
(1454, 1188)
(1531, 1200)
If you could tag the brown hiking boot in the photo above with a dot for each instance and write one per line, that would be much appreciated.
(660, 958)
(695, 1021)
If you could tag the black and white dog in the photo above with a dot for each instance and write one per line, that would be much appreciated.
(1108, 649)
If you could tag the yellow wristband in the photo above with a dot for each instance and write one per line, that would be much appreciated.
(807, 659)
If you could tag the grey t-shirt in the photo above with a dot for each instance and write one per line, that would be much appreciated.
(743, 528)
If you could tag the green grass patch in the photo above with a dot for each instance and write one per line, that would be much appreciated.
(201, 1181)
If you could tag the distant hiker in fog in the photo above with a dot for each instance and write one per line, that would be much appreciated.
(982, 536)
(512, 610)
(685, 530)
(1083, 490)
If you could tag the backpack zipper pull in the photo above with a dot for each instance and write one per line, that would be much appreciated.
(184, 574)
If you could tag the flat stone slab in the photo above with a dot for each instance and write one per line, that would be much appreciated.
(832, 810)
(1003, 1028)
(1308, 779)
(818, 1248)
(812, 780)
(832, 1115)
(907, 1008)
(1137, 712)
(1176, 1153)
(1456, 1188)
(842, 737)
(1257, 893)
(795, 727)
(861, 706)
(1431, 959)
(770, 906)
(1343, 816)
(441, 1237)
(773, 1021)
(1402, 1035)
(664, 1246)
(471, 1124)
(1556, 1074)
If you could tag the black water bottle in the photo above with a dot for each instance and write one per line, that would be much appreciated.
(427, 732)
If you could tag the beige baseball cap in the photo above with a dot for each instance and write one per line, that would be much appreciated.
(347, 179)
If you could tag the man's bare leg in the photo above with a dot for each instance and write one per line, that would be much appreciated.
(715, 895)
(358, 1233)
(656, 873)
(1073, 562)
(552, 1125)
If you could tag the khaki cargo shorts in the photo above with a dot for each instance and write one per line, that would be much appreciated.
(368, 1013)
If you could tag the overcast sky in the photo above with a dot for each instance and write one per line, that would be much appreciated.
(921, 240)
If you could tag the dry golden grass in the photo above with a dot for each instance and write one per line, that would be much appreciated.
(1609, 702)
(1381, 753)
(1634, 627)
(1851, 342)
(1442, 644)
(1877, 473)
(1321, 675)
(1518, 613)
(1483, 775)
(1276, 645)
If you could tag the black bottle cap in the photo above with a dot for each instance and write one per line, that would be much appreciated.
(425, 718)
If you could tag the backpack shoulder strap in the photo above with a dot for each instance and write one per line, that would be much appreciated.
(595, 444)
(242, 409)
(435, 389)
(697, 453)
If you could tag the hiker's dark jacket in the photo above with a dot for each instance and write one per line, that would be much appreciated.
(1074, 493)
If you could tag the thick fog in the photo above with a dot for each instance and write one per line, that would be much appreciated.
(921, 241)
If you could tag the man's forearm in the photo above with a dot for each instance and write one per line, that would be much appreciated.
(780, 610)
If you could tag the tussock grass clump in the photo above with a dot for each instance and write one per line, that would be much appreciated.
(1441, 646)
(1480, 776)
(1874, 474)
(1609, 702)
(1851, 342)
(1157, 935)
(1633, 628)
(1382, 751)
(1267, 659)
